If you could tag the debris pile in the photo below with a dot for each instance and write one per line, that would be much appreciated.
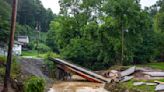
(138, 74)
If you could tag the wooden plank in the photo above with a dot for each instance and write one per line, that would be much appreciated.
(128, 71)
(155, 74)
(159, 87)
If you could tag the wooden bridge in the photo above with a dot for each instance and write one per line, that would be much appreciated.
(85, 73)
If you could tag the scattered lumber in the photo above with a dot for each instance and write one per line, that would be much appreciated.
(126, 78)
(151, 84)
(138, 83)
(159, 87)
(159, 82)
(155, 74)
(144, 83)
(128, 71)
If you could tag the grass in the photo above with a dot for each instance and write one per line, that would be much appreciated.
(34, 54)
(30, 53)
(142, 88)
(155, 65)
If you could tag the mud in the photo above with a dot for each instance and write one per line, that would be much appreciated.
(78, 87)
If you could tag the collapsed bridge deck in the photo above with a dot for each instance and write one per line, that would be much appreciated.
(85, 73)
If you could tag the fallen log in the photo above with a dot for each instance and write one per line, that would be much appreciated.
(128, 71)
(159, 87)
(155, 74)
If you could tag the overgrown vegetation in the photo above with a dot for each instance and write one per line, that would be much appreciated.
(34, 84)
(15, 67)
(95, 32)
(35, 54)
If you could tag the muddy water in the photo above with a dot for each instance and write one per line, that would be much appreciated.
(77, 87)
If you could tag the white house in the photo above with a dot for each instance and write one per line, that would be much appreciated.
(17, 48)
(23, 39)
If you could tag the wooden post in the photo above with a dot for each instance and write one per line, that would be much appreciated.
(10, 47)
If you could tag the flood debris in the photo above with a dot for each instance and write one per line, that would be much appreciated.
(113, 74)
(144, 83)
(159, 82)
(155, 74)
(138, 83)
(139, 74)
(159, 87)
(127, 78)
(151, 84)
(128, 71)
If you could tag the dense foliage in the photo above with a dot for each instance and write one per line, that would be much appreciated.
(5, 11)
(34, 84)
(15, 69)
(100, 33)
(97, 33)
(32, 20)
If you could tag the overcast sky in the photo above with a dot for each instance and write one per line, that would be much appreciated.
(53, 4)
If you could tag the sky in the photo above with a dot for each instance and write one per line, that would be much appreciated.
(54, 5)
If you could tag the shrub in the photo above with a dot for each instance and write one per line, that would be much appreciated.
(43, 48)
(15, 67)
(52, 54)
(34, 84)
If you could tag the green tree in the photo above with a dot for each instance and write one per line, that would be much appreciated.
(91, 32)
(5, 10)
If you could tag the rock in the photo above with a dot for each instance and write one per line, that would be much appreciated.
(138, 83)
(159, 87)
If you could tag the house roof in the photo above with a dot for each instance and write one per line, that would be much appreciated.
(23, 37)
(17, 42)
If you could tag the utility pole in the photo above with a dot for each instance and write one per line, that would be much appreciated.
(122, 47)
(122, 42)
(10, 46)
(38, 36)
